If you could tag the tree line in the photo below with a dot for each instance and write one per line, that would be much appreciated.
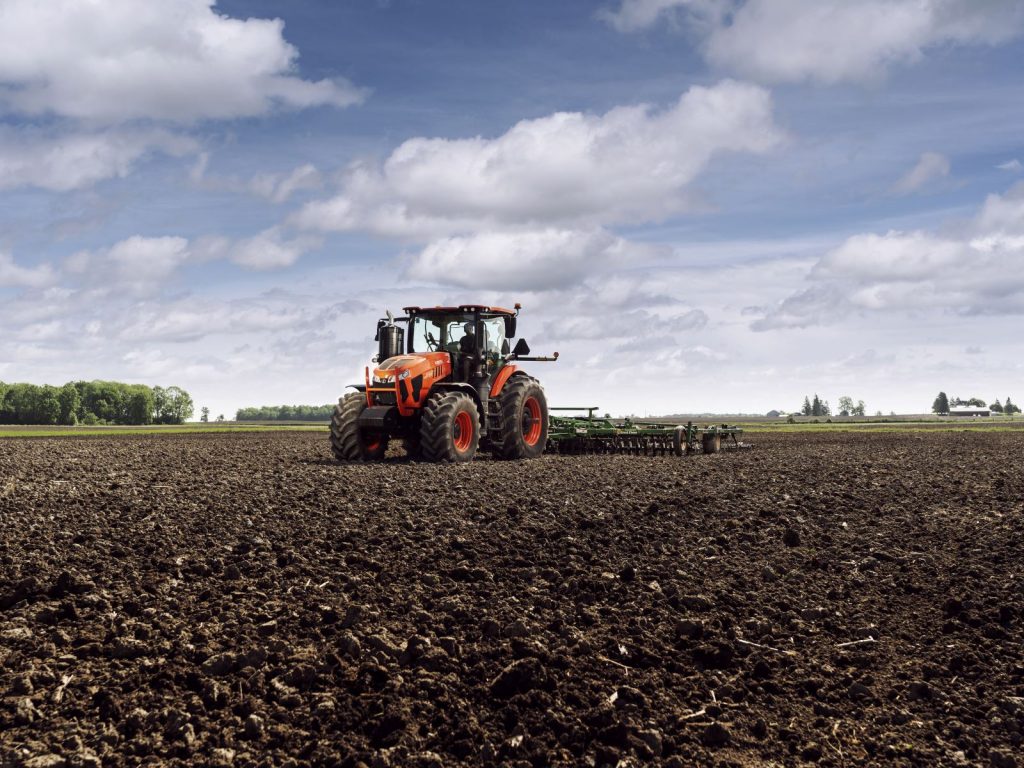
(286, 413)
(93, 402)
(819, 407)
(943, 403)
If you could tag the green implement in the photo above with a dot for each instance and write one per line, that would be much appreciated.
(574, 435)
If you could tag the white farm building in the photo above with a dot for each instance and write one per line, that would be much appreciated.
(970, 411)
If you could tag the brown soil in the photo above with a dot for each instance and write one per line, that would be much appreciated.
(242, 599)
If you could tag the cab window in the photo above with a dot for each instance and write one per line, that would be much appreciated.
(426, 335)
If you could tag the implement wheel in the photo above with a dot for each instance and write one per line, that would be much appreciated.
(679, 442)
(348, 441)
(449, 428)
(524, 419)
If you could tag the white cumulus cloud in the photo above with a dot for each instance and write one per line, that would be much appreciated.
(569, 169)
(534, 260)
(177, 61)
(144, 266)
(827, 41)
(62, 162)
(13, 275)
(270, 250)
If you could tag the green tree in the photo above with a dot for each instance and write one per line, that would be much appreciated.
(846, 405)
(178, 407)
(159, 405)
(807, 408)
(140, 406)
(1009, 409)
(286, 413)
(941, 404)
(220, 417)
(996, 407)
(70, 402)
(205, 414)
(47, 410)
(816, 406)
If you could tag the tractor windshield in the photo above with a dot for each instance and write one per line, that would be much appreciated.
(445, 333)
(439, 333)
(425, 334)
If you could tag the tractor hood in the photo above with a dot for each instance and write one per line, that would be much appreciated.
(409, 377)
(404, 366)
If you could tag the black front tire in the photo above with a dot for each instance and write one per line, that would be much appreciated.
(524, 419)
(449, 428)
(348, 441)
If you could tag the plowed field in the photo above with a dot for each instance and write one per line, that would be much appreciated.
(839, 599)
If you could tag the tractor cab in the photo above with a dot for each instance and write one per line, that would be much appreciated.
(470, 337)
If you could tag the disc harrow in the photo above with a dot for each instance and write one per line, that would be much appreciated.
(582, 435)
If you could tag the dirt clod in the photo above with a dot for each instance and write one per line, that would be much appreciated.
(716, 735)
(791, 537)
(253, 727)
(518, 677)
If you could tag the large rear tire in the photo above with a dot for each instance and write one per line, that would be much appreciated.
(524, 419)
(348, 441)
(449, 428)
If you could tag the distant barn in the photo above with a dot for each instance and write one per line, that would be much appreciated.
(970, 411)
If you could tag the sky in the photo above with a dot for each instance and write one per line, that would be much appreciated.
(702, 205)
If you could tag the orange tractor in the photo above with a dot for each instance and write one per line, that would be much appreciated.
(446, 383)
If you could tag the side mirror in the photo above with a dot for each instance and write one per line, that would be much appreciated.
(504, 348)
(521, 349)
(510, 326)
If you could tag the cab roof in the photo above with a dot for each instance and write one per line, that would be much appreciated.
(460, 308)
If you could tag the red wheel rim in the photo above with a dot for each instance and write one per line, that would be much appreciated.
(462, 432)
(371, 442)
(532, 424)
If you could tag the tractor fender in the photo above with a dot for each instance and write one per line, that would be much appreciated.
(502, 378)
(458, 386)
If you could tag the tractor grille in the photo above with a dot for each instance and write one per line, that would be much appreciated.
(384, 397)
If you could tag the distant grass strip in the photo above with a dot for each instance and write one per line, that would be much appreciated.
(904, 426)
(178, 429)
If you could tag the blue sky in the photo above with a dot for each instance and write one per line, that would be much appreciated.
(704, 205)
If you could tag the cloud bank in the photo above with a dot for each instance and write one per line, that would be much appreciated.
(975, 271)
(631, 164)
(106, 84)
(827, 41)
